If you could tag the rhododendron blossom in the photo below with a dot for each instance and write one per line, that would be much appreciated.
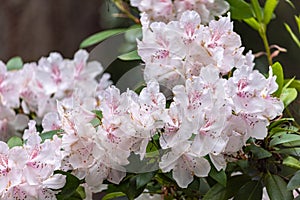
(167, 10)
(176, 51)
(219, 101)
(28, 171)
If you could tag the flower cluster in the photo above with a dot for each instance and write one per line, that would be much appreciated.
(27, 172)
(219, 102)
(176, 51)
(210, 115)
(100, 152)
(37, 86)
(168, 10)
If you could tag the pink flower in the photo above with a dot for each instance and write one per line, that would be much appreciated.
(177, 51)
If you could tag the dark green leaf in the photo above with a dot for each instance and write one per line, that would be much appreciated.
(280, 121)
(253, 23)
(219, 176)
(250, 191)
(133, 55)
(14, 63)
(277, 188)
(277, 70)
(14, 141)
(99, 37)
(294, 183)
(278, 131)
(49, 134)
(257, 10)
(204, 186)
(239, 9)
(113, 195)
(259, 152)
(128, 187)
(284, 139)
(72, 183)
(290, 161)
(219, 192)
(269, 8)
(289, 151)
(288, 95)
(143, 179)
(292, 144)
(194, 188)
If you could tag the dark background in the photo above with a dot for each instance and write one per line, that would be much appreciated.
(33, 28)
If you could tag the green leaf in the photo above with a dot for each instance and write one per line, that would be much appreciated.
(294, 182)
(297, 18)
(290, 161)
(288, 95)
(133, 55)
(133, 33)
(80, 191)
(290, 3)
(219, 192)
(253, 23)
(277, 188)
(98, 113)
(128, 187)
(278, 131)
(258, 152)
(250, 191)
(269, 8)
(280, 121)
(277, 70)
(72, 183)
(289, 151)
(288, 82)
(292, 144)
(292, 83)
(292, 34)
(97, 120)
(195, 189)
(257, 10)
(239, 9)
(204, 186)
(219, 176)
(144, 179)
(99, 37)
(113, 195)
(14, 63)
(284, 139)
(14, 141)
(49, 134)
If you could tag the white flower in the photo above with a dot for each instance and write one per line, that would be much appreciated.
(177, 51)
(167, 10)
(185, 164)
(10, 85)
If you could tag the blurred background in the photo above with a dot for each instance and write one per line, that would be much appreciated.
(33, 28)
